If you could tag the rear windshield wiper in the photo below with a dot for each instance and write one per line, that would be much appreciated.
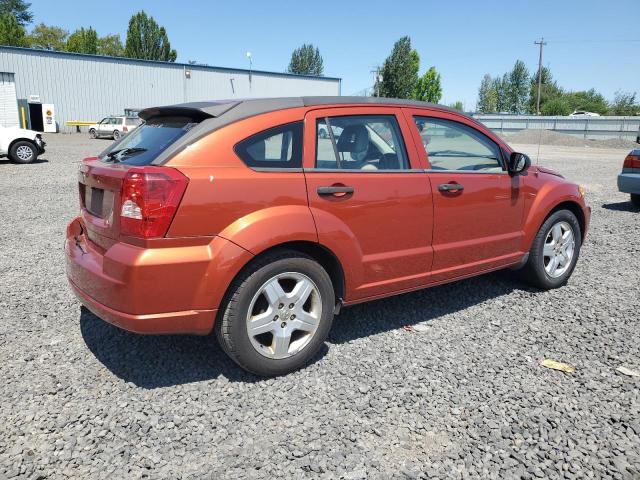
(118, 155)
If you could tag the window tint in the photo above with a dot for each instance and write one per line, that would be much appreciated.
(454, 146)
(360, 142)
(144, 144)
(279, 147)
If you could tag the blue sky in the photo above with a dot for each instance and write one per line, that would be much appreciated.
(590, 43)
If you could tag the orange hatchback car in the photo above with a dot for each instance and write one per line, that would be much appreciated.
(261, 218)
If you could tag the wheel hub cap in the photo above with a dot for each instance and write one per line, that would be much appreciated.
(284, 315)
(24, 153)
(559, 247)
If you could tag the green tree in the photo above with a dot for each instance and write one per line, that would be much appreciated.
(83, 41)
(399, 72)
(624, 103)
(428, 87)
(111, 46)
(499, 86)
(487, 96)
(306, 60)
(556, 106)
(590, 101)
(517, 88)
(19, 9)
(147, 40)
(549, 90)
(11, 32)
(48, 37)
(458, 106)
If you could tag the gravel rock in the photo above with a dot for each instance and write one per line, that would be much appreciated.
(464, 398)
(551, 137)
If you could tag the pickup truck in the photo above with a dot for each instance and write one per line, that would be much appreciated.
(20, 145)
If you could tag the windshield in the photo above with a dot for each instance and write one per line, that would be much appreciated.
(145, 143)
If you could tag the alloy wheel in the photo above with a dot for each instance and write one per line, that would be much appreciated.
(284, 315)
(559, 247)
(24, 152)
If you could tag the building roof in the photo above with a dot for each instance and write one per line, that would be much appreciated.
(160, 63)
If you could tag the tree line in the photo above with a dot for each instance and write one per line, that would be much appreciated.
(517, 92)
(145, 38)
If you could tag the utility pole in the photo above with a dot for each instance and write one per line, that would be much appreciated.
(376, 80)
(541, 43)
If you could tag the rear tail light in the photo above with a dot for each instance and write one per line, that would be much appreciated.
(149, 199)
(125, 129)
(632, 161)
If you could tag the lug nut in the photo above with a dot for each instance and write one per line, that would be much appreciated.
(291, 305)
(276, 318)
(293, 317)
(281, 305)
(283, 324)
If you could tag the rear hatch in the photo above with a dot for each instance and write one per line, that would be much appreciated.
(123, 175)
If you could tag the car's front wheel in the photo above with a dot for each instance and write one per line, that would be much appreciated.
(277, 313)
(635, 199)
(23, 152)
(93, 133)
(554, 252)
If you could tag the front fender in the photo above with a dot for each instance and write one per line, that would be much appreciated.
(266, 228)
(549, 195)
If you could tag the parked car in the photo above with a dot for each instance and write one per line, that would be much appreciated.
(629, 179)
(582, 113)
(20, 145)
(113, 127)
(238, 216)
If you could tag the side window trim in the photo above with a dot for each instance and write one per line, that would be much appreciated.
(296, 129)
(478, 135)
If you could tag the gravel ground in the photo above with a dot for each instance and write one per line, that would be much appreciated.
(461, 394)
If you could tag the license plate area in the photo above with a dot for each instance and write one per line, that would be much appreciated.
(94, 201)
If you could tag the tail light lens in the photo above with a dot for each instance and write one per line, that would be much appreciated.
(150, 197)
(125, 129)
(632, 161)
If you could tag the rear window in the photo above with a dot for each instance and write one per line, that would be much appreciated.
(132, 121)
(278, 147)
(145, 143)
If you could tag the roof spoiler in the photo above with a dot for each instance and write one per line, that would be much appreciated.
(197, 110)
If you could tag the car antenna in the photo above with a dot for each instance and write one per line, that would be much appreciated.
(539, 142)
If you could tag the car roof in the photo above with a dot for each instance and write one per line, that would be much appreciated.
(256, 106)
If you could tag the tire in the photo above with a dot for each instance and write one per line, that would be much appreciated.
(23, 152)
(635, 200)
(93, 134)
(537, 270)
(268, 352)
(116, 135)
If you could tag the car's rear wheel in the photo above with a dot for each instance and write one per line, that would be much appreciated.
(277, 313)
(93, 133)
(635, 199)
(116, 134)
(554, 252)
(23, 152)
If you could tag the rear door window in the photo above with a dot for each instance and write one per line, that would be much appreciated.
(278, 147)
(145, 143)
(360, 142)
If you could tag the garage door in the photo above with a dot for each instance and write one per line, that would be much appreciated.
(8, 101)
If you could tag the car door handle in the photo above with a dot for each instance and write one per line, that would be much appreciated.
(335, 190)
(450, 187)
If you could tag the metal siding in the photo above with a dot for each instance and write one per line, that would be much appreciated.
(87, 88)
(593, 128)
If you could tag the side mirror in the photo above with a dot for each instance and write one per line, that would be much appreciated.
(518, 163)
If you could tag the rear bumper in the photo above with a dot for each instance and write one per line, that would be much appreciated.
(170, 290)
(198, 322)
(629, 182)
